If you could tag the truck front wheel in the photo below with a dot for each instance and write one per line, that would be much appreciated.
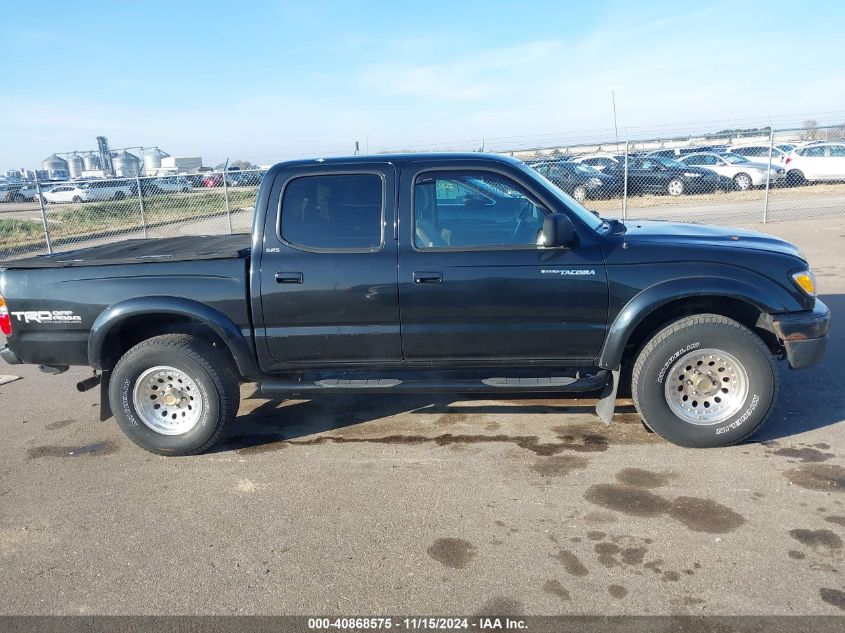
(174, 394)
(704, 381)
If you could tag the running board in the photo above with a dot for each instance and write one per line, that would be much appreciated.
(551, 384)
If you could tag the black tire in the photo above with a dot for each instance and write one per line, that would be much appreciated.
(675, 187)
(704, 331)
(743, 182)
(795, 178)
(210, 368)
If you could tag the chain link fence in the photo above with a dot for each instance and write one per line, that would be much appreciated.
(775, 175)
(765, 176)
(47, 217)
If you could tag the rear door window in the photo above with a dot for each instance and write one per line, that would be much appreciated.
(335, 212)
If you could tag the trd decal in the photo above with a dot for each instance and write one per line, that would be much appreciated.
(47, 316)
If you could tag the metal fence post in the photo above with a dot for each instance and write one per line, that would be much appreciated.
(226, 195)
(625, 184)
(768, 176)
(141, 203)
(43, 214)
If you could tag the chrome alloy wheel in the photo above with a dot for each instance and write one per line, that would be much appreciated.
(676, 187)
(167, 400)
(743, 182)
(706, 386)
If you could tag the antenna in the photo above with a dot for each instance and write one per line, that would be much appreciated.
(615, 127)
(357, 148)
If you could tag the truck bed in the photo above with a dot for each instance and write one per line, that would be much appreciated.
(170, 249)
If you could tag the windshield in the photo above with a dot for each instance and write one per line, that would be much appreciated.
(585, 215)
(668, 162)
(584, 169)
(735, 158)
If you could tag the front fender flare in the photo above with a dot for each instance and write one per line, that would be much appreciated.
(653, 297)
(219, 323)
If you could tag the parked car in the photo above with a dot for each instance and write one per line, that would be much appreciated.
(27, 193)
(212, 180)
(744, 173)
(677, 152)
(505, 287)
(10, 192)
(816, 163)
(599, 162)
(579, 180)
(656, 174)
(66, 193)
(90, 191)
(168, 184)
(244, 178)
(760, 154)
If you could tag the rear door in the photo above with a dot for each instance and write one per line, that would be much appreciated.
(328, 268)
(813, 162)
(836, 162)
(474, 285)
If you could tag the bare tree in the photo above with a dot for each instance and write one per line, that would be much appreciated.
(810, 132)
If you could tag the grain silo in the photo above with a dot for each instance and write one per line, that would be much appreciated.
(125, 164)
(75, 165)
(55, 166)
(152, 160)
(91, 161)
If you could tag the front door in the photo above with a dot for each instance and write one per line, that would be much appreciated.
(328, 270)
(474, 285)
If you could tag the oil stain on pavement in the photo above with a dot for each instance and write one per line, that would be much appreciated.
(632, 498)
(818, 540)
(824, 477)
(452, 552)
(92, 450)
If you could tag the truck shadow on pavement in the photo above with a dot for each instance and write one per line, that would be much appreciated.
(280, 420)
(809, 399)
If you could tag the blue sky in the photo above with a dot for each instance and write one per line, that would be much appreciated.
(270, 80)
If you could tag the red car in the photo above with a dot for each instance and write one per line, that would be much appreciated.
(213, 180)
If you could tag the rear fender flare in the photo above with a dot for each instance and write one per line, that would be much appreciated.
(219, 323)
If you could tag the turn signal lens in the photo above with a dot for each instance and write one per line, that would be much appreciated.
(805, 280)
(5, 319)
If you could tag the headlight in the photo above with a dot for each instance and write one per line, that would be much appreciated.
(691, 174)
(805, 280)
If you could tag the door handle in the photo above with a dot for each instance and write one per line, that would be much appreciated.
(428, 277)
(288, 278)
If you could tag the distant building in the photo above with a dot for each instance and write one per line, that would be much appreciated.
(181, 164)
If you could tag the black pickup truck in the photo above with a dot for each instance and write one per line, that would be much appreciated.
(431, 272)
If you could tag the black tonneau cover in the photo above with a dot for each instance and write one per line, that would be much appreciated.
(170, 249)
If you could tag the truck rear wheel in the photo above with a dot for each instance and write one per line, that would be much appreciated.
(705, 381)
(174, 394)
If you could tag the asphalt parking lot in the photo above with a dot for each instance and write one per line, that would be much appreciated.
(386, 505)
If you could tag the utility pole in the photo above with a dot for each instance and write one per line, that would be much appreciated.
(615, 126)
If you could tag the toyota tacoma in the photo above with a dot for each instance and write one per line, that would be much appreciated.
(457, 273)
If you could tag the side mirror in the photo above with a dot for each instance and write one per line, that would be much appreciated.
(558, 230)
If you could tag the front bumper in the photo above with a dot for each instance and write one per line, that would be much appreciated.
(9, 356)
(803, 334)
